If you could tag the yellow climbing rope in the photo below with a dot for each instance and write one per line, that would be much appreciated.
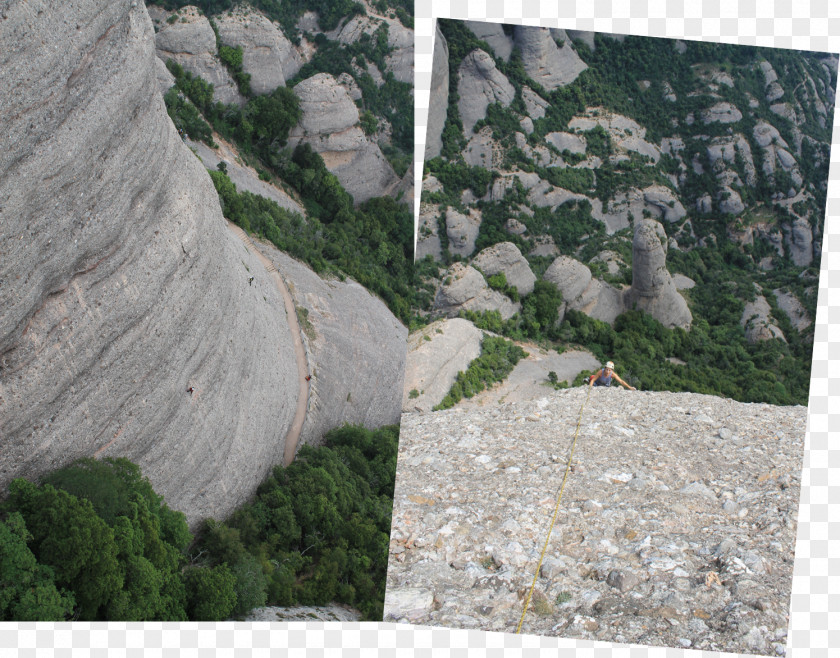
(554, 516)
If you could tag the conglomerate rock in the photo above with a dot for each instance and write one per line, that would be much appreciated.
(122, 285)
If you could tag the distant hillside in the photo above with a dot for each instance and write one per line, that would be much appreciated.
(686, 180)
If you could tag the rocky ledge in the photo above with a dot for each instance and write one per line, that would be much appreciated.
(676, 526)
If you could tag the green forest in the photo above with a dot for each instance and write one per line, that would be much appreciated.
(94, 542)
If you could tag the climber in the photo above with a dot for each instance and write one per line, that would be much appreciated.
(250, 280)
(604, 377)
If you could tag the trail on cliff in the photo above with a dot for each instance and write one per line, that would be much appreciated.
(293, 435)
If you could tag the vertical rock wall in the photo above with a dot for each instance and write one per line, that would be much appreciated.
(120, 284)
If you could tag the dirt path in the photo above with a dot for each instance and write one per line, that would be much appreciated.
(300, 355)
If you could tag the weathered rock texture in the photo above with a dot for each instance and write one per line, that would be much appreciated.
(649, 547)
(547, 64)
(462, 230)
(355, 350)
(436, 354)
(191, 42)
(329, 123)
(757, 322)
(438, 96)
(465, 289)
(480, 83)
(267, 55)
(494, 35)
(122, 286)
(653, 290)
(506, 258)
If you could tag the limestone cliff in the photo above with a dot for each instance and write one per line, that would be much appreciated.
(122, 286)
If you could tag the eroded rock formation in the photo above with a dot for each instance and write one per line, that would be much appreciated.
(330, 125)
(122, 285)
(438, 96)
(653, 290)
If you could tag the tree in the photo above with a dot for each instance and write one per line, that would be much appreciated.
(210, 593)
(68, 536)
(27, 589)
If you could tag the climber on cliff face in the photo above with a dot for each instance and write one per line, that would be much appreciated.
(605, 376)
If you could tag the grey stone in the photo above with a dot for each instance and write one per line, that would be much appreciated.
(547, 64)
(480, 83)
(494, 35)
(623, 581)
(267, 55)
(438, 95)
(431, 365)
(191, 42)
(329, 124)
(653, 290)
(506, 258)
(121, 232)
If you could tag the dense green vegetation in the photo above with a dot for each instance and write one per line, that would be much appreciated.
(317, 530)
(497, 359)
(373, 243)
(94, 541)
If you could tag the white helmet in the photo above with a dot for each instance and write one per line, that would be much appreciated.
(610, 365)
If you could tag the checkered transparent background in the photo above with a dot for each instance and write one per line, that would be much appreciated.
(815, 613)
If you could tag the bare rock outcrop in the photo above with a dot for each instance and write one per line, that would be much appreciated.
(436, 354)
(800, 242)
(438, 96)
(267, 55)
(329, 123)
(191, 42)
(506, 258)
(569, 275)
(464, 288)
(721, 113)
(428, 240)
(547, 64)
(757, 323)
(355, 350)
(534, 103)
(662, 202)
(480, 83)
(494, 35)
(653, 289)
(793, 308)
(462, 230)
(122, 285)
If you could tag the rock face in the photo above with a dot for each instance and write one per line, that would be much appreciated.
(757, 323)
(436, 354)
(123, 286)
(480, 83)
(267, 55)
(547, 64)
(662, 202)
(191, 42)
(800, 242)
(462, 230)
(793, 308)
(569, 275)
(354, 347)
(438, 96)
(583, 293)
(329, 123)
(653, 290)
(464, 289)
(494, 35)
(506, 258)
(649, 547)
